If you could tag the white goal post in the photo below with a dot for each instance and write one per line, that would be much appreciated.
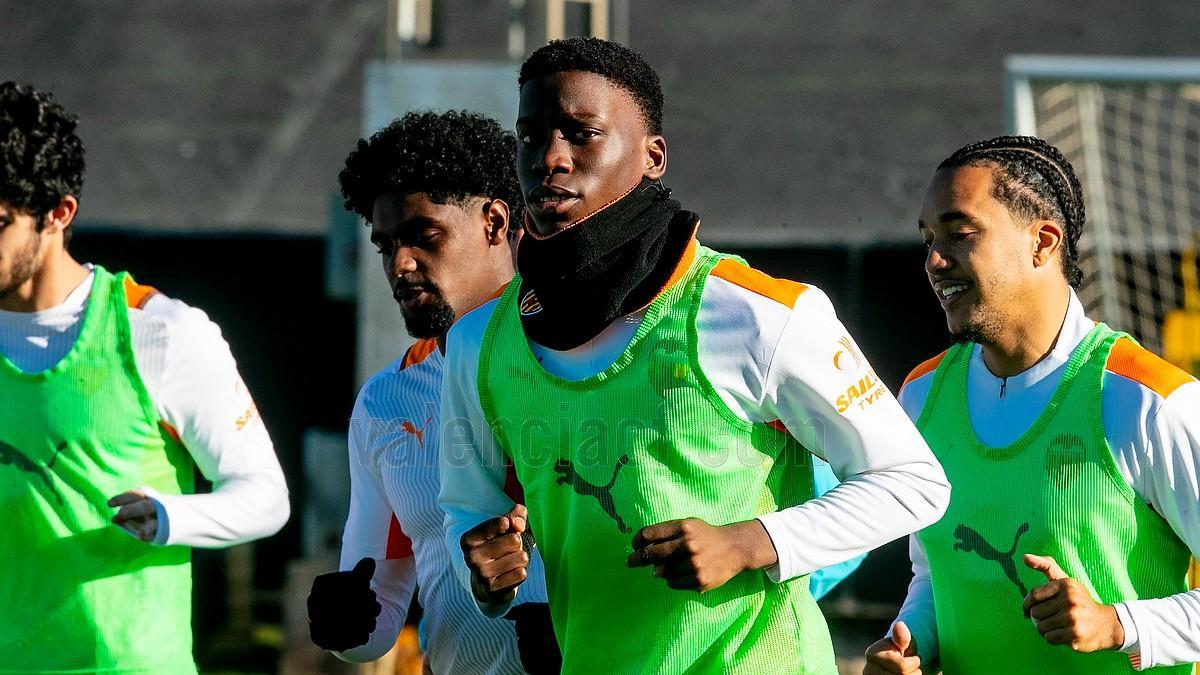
(1131, 128)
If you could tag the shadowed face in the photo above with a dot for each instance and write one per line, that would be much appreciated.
(979, 260)
(436, 256)
(582, 142)
(20, 249)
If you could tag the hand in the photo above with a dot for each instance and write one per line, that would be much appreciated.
(690, 554)
(497, 556)
(137, 514)
(535, 638)
(897, 654)
(1065, 613)
(342, 608)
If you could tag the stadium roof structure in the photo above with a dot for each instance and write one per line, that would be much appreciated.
(787, 123)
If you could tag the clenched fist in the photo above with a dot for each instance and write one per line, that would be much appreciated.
(497, 553)
(691, 554)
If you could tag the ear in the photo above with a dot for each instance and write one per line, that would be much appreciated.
(59, 218)
(656, 157)
(495, 216)
(1047, 241)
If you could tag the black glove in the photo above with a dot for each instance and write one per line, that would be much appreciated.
(535, 638)
(342, 608)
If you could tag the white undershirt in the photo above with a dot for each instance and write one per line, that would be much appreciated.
(1155, 442)
(767, 361)
(193, 381)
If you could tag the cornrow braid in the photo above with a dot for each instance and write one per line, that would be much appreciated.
(1034, 179)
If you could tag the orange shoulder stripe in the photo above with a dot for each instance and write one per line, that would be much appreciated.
(1146, 368)
(417, 353)
(924, 368)
(782, 291)
(137, 295)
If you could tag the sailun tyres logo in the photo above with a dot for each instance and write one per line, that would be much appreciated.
(846, 358)
(863, 393)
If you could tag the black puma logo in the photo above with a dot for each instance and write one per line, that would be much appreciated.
(582, 487)
(972, 542)
(14, 457)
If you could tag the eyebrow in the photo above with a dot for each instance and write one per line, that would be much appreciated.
(950, 217)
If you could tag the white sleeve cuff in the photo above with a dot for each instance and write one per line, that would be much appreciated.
(784, 567)
(163, 532)
(1130, 646)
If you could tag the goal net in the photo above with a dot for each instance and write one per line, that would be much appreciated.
(1131, 128)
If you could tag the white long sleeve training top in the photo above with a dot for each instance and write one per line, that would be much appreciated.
(194, 383)
(1153, 432)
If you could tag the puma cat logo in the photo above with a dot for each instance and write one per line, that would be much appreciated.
(14, 457)
(971, 541)
(412, 429)
(582, 487)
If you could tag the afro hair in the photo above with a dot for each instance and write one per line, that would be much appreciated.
(620, 65)
(451, 156)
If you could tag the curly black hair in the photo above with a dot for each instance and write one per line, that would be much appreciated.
(619, 64)
(41, 157)
(451, 156)
(1033, 179)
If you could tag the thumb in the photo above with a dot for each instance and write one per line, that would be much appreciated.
(364, 569)
(902, 637)
(518, 516)
(1046, 565)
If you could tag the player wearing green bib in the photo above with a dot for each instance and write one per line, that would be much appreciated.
(112, 396)
(1072, 450)
(659, 402)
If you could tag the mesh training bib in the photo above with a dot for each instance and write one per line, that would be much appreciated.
(1055, 491)
(645, 441)
(78, 593)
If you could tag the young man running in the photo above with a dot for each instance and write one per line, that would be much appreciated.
(659, 402)
(112, 394)
(439, 193)
(1073, 452)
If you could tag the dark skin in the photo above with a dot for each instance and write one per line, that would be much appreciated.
(454, 253)
(457, 254)
(582, 143)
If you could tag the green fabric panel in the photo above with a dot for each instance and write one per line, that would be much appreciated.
(1055, 491)
(79, 594)
(645, 441)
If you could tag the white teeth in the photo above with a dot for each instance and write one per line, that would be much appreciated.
(948, 291)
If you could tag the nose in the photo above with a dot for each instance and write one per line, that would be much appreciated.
(402, 261)
(936, 260)
(555, 157)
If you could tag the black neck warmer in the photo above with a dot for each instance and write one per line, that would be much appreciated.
(577, 281)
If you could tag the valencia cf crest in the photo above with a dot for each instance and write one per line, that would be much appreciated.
(530, 304)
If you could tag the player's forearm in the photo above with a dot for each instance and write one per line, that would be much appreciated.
(861, 514)
(1164, 631)
(239, 510)
(918, 614)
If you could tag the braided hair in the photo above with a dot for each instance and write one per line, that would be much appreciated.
(1033, 179)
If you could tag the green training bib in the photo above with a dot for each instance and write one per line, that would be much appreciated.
(79, 595)
(1055, 491)
(645, 441)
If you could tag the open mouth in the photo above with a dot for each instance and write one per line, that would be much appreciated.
(552, 200)
(948, 292)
